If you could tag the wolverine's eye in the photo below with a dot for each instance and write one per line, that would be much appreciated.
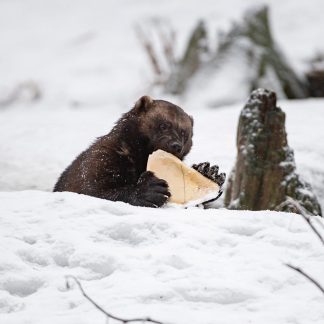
(163, 126)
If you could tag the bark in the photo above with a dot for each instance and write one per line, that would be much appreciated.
(264, 176)
(315, 80)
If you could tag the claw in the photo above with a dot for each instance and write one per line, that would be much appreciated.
(210, 172)
(220, 179)
(203, 167)
(213, 172)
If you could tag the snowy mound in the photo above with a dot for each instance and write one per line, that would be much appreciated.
(175, 265)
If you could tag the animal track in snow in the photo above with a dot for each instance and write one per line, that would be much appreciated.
(219, 295)
(298, 245)
(165, 296)
(177, 262)
(21, 286)
(244, 230)
(61, 253)
(134, 234)
(9, 304)
(225, 241)
(116, 210)
(123, 232)
(34, 255)
(30, 239)
(101, 264)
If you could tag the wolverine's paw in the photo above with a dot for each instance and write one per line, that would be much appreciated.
(151, 191)
(211, 172)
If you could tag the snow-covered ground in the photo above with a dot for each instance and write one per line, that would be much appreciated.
(178, 266)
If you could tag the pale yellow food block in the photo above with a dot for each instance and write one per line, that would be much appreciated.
(185, 183)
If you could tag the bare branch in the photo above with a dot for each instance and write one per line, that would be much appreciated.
(303, 212)
(311, 225)
(158, 39)
(316, 283)
(167, 38)
(109, 315)
(27, 90)
(149, 48)
(319, 222)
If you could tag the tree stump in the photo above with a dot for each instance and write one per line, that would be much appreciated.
(264, 176)
(315, 80)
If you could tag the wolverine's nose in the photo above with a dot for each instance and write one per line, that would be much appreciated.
(175, 147)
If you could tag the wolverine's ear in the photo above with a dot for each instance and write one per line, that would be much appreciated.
(192, 121)
(143, 103)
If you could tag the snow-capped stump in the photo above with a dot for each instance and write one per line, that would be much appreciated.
(264, 176)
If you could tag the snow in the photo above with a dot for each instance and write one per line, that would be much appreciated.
(67, 47)
(173, 264)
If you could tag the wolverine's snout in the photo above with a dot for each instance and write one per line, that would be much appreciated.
(175, 147)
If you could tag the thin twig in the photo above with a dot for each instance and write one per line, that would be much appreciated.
(319, 222)
(307, 217)
(306, 276)
(167, 38)
(109, 315)
(150, 50)
(30, 88)
(304, 213)
(311, 225)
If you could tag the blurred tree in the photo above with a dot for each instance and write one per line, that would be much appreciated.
(248, 43)
(158, 40)
(192, 60)
(252, 40)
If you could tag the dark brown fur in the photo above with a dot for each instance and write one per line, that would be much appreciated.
(114, 166)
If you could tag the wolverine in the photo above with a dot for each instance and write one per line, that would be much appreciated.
(114, 166)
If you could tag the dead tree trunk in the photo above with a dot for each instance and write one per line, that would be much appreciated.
(264, 176)
(315, 80)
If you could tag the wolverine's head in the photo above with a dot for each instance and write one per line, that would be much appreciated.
(165, 125)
